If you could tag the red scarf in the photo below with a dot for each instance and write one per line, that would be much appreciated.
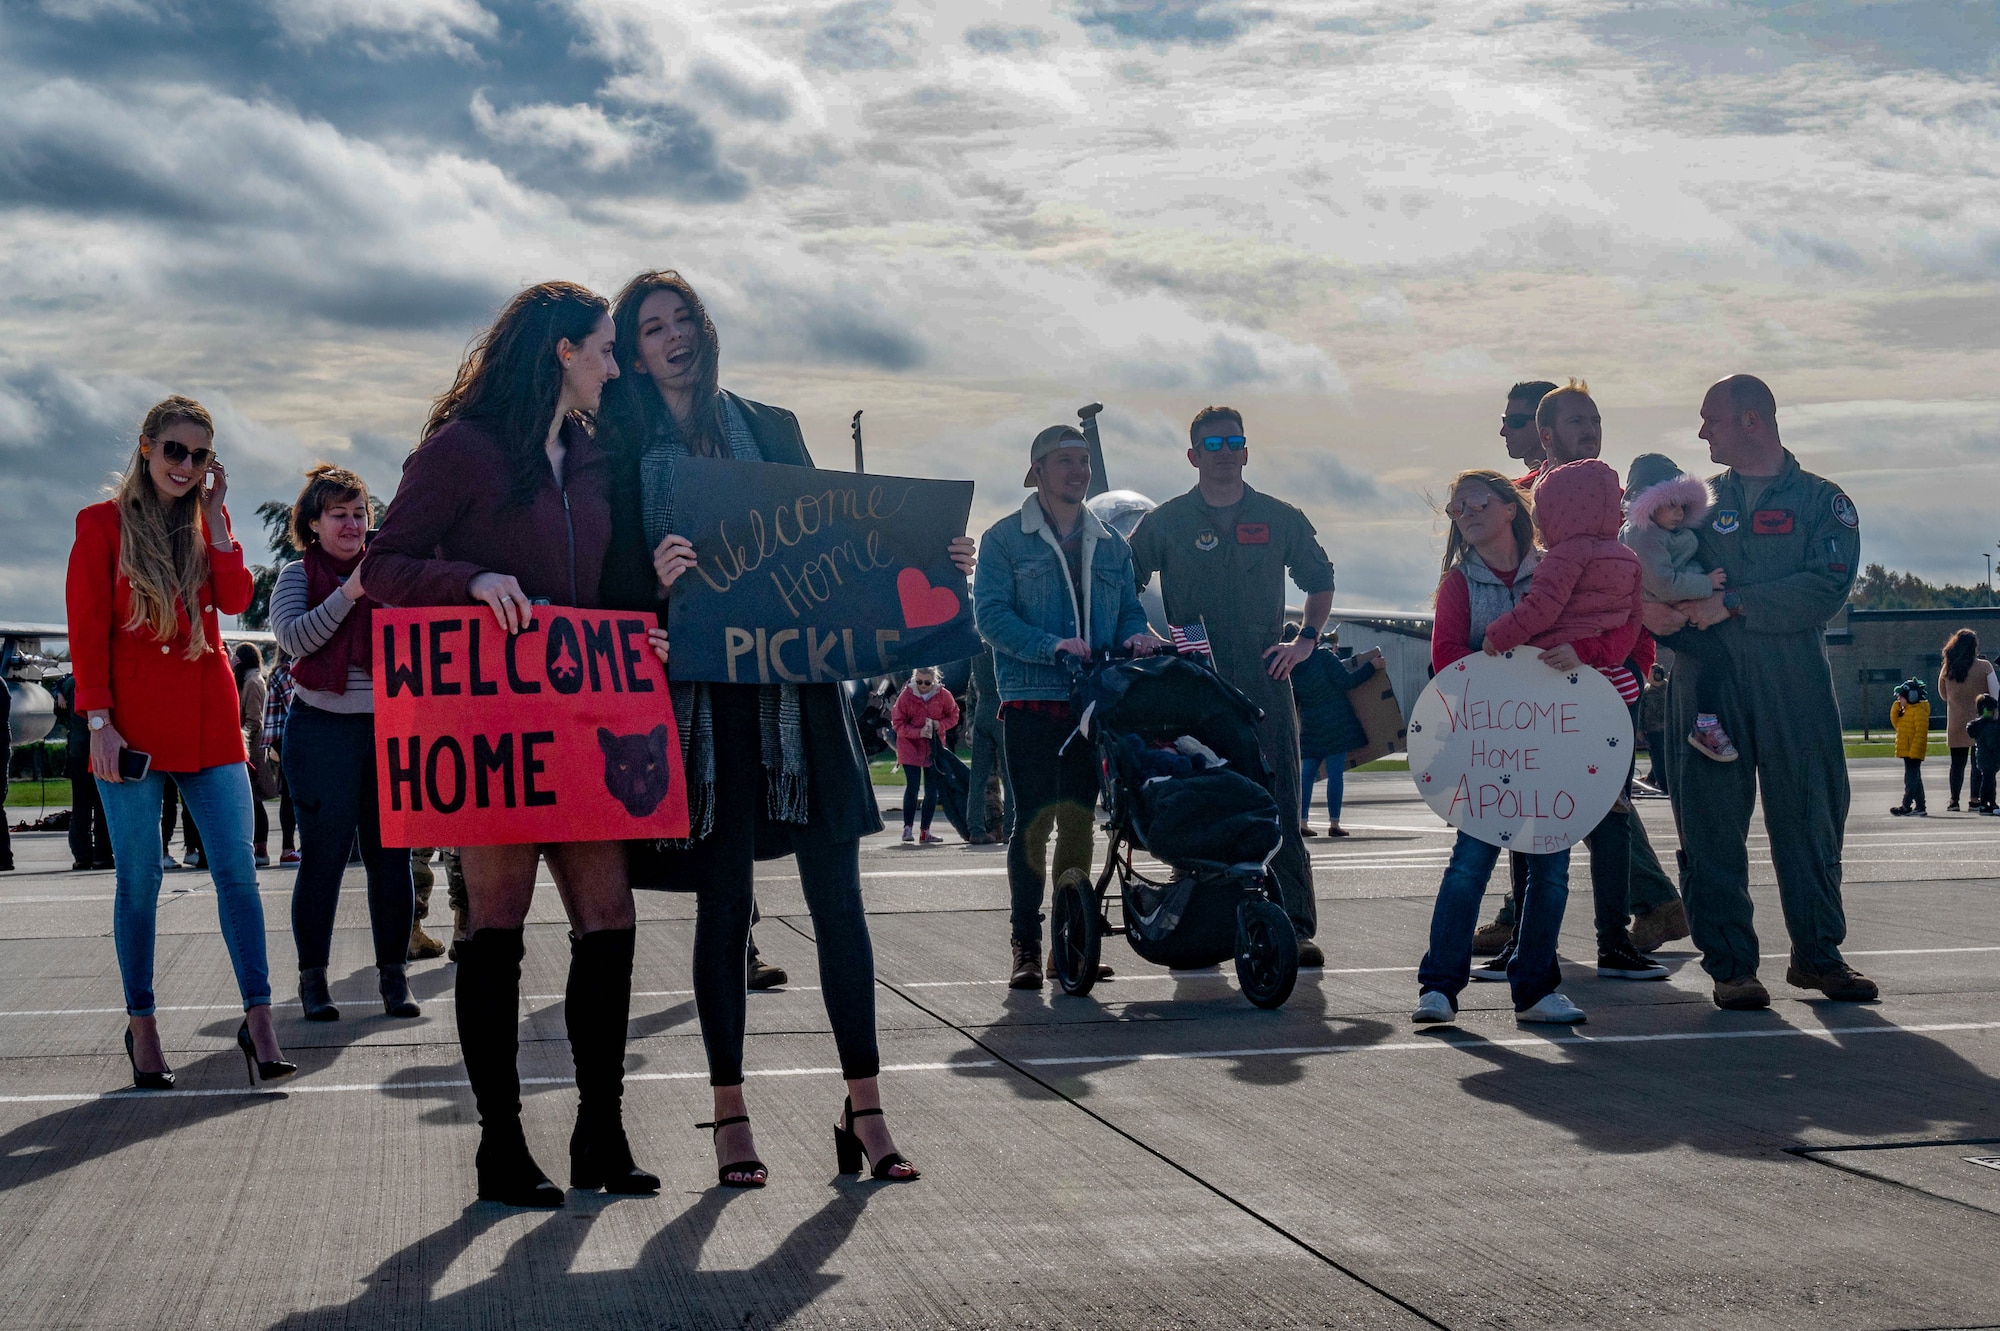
(353, 643)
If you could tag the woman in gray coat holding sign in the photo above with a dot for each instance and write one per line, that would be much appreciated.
(772, 769)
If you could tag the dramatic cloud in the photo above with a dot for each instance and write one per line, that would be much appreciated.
(1357, 221)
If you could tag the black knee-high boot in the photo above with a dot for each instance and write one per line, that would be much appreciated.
(596, 1006)
(489, 1014)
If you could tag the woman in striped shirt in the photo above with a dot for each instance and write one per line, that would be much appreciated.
(321, 617)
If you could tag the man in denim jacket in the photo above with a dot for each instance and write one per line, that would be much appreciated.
(1052, 581)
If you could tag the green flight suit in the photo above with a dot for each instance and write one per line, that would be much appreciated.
(1230, 577)
(1791, 555)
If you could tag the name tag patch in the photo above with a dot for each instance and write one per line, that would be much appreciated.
(1725, 521)
(1771, 522)
(1253, 533)
(1206, 540)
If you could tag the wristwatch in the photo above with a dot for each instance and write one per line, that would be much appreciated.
(99, 722)
(1309, 633)
(1732, 602)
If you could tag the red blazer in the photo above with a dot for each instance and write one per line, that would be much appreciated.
(185, 713)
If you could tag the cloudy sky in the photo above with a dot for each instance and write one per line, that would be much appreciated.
(1359, 222)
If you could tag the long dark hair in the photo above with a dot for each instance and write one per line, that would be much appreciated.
(246, 661)
(632, 406)
(1959, 651)
(510, 380)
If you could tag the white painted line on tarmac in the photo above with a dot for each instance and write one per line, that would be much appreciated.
(1534, 1041)
(1829, 1033)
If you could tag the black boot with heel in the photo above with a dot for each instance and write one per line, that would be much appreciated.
(597, 1005)
(489, 1014)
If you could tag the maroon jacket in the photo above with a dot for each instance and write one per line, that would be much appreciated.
(451, 521)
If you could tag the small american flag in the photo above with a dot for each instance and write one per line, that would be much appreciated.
(1192, 640)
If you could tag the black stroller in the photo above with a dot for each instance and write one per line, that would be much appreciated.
(1203, 807)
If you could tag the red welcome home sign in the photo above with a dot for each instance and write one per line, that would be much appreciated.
(562, 732)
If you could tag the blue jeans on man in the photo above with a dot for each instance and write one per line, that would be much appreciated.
(1533, 973)
(218, 798)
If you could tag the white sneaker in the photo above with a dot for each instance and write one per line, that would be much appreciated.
(168, 862)
(1434, 1009)
(1554, 1009)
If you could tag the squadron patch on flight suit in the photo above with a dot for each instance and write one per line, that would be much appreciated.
(1725, 521)
(1253, 533)
(1843, 511)
(1206, 540)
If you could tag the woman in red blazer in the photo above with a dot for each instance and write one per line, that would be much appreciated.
(151, 570)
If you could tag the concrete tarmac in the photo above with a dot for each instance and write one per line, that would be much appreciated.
(1158, 1154)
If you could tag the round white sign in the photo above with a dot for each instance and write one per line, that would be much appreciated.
(1518, 755)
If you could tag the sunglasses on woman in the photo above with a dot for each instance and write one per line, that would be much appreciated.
(1215, 442)
(1458, 508)
(177, 452)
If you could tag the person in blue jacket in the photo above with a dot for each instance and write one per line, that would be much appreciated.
(1328, 727)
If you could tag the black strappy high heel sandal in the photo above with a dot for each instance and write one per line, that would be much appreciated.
(255, 1067)
(146, 1081)
(748, 1169)
(853, 1156)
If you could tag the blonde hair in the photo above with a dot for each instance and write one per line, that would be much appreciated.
(1456, 547)
(163, 547)
(325, 484)
(1545, 410)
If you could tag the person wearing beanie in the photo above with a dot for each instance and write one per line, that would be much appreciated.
(1910, 714)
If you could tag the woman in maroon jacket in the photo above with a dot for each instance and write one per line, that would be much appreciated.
(152, 569)
(505, 502)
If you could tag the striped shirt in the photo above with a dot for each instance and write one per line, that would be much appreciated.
(301, 632)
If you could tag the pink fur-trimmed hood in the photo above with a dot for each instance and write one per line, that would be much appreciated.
(1682, 489)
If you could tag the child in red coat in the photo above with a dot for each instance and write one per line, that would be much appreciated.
(1587, 585)
(923, 710)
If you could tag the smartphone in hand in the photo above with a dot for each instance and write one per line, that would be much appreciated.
(133, 765)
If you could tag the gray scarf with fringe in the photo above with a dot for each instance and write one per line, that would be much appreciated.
(781, 734)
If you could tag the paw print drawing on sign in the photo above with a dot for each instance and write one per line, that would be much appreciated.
(1506, 780)
(1417, 728)
(1427, 778)
(1592, 769)
(1508, 655)
(1461, 665)
(1572, 679)
(1612, 741)
(1506, 836)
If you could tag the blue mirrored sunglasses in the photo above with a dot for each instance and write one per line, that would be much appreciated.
(1215, 442)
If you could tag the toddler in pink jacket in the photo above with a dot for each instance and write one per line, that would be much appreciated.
(1586, 587)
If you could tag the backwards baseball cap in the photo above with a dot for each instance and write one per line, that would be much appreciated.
(1047, 442)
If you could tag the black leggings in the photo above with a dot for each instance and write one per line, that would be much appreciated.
(1717, 678)
(1958, 757)
(330, 761)
(723, 865)
(913, 777)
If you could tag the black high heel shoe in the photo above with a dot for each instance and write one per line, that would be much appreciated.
(853, 1156)
(255, 1067)
(146, 1081)
(748, 1170)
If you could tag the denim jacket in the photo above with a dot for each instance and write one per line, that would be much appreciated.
(1024, 603)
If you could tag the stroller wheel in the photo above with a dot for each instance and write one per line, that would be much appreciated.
(1077, 938)
(1267, 953)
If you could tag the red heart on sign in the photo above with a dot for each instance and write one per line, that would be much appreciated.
(923, 604)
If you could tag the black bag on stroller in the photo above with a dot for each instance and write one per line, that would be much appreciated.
(1184, 780)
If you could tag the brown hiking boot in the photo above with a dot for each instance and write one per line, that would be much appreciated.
(1745, 993)
(422, 946)
(1027, 965)
(1489, 939)
(1840, 982)
(1660, 926)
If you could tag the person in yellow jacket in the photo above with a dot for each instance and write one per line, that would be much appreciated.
(1911, 715)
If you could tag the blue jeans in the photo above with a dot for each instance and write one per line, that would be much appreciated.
(1533, 973)
(219, 800)
(1336, 785)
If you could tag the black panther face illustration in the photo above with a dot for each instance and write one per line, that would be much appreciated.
(635, 768)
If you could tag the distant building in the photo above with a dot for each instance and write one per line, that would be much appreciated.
(1872, 651)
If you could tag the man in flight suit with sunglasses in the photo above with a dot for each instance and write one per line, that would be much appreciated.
(1790, 542)
(1222, 551)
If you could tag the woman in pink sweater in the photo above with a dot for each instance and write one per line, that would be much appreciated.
(1587, 584)
(923, 710)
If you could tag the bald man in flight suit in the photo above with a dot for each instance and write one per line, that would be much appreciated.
(1790, 543)
(1222, 551)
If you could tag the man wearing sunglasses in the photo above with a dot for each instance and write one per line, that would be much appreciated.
(1519, 432)
(1222, 551)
